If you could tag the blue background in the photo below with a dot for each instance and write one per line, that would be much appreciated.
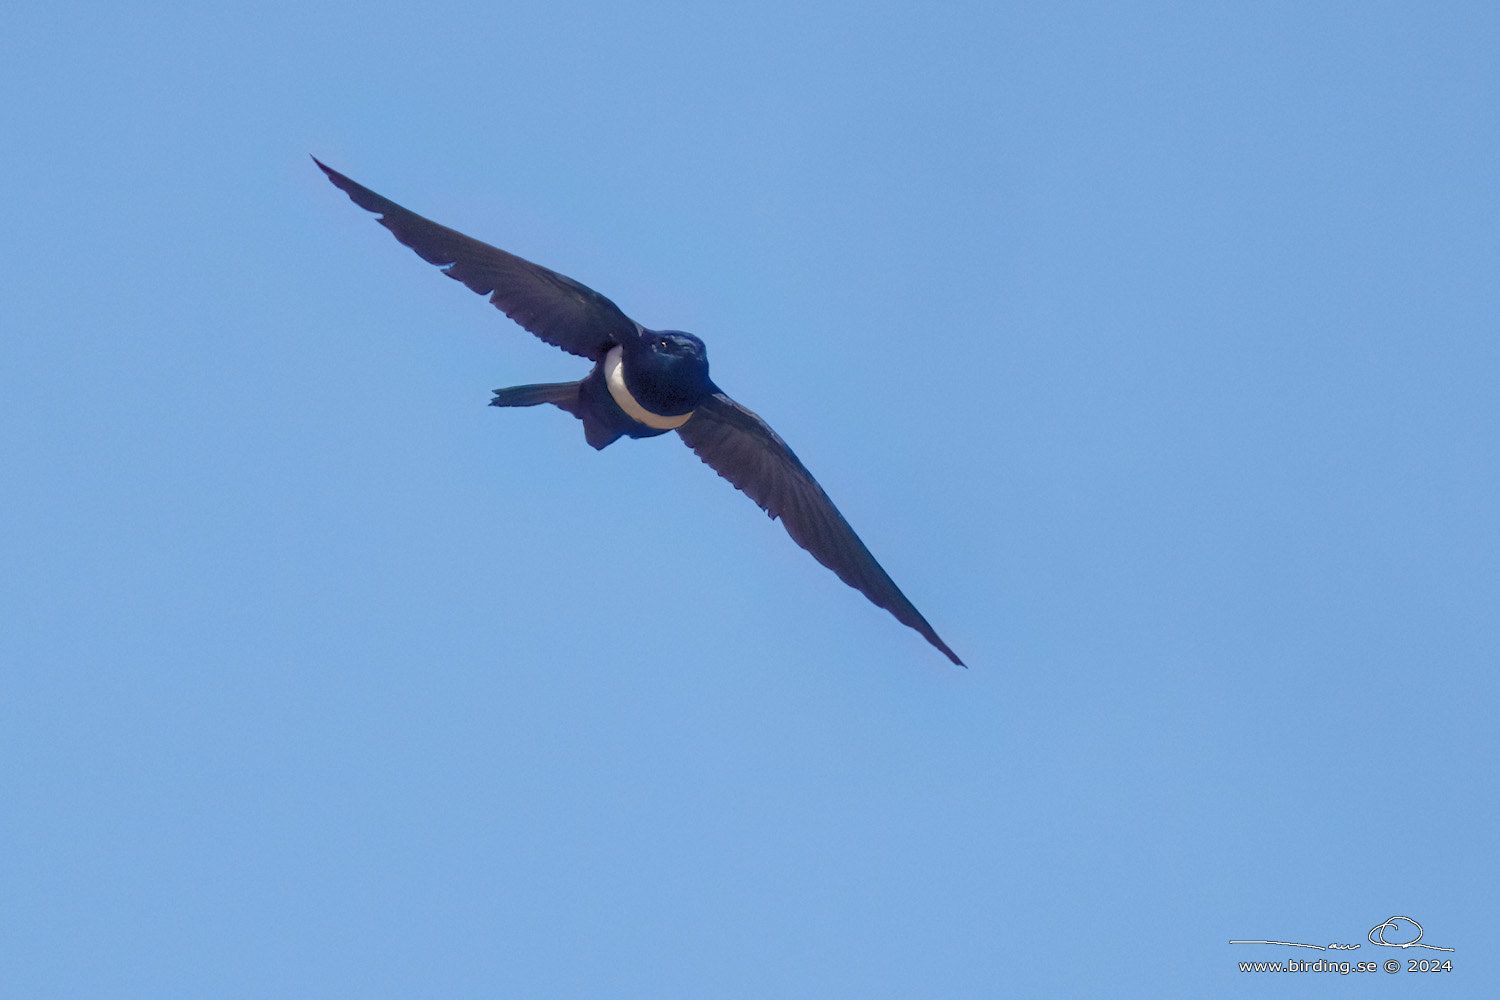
(1152, 347)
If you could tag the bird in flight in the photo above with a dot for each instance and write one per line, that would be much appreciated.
(645, 383)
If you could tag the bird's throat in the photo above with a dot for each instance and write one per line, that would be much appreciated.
(614, 377)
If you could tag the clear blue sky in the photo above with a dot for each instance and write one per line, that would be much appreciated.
(1154, 349)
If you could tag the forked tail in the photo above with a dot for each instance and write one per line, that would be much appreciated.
(588, 400)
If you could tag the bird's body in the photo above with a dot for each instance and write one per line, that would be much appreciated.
(645, 383)
(649, 389)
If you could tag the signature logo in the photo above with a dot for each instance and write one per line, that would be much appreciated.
(1377, 936)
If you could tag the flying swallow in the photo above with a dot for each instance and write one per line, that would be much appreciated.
(645, 383)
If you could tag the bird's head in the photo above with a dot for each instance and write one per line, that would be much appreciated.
(678, 344)
(668, 371)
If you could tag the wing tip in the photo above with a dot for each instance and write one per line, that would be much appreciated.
(358, 193)
(331, 173)
(950, 654)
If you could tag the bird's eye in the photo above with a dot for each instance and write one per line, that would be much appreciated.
(664, 341)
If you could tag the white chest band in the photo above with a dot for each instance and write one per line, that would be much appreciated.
(614, 376)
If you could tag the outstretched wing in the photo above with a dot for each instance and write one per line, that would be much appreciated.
(742, 448)
(553, 306)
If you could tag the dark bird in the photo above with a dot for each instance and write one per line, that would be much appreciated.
(644, 383)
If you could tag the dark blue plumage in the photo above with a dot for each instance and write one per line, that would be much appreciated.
(645, 383)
